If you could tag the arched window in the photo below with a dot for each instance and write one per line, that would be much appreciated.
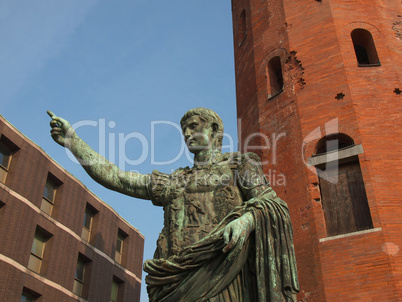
(334, 142)
(242, 29)
(343, 193)
(275, 77)
(366, 53)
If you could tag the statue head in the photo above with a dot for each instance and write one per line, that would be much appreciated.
(211, 120)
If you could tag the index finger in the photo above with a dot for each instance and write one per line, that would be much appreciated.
(51, 114)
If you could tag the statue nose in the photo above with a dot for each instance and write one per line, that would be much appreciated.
(187, 133)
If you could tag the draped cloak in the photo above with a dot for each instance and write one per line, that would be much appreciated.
(262, 269)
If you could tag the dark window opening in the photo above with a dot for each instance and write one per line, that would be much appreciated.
(366, 53)
(82, 273)
(334, 142)
(2, 209)
(242, 29)
(5, 156)
(275, 77)
(342, 189)
(7, 148)
(361, 55)
(39, 244)
(117, 290)
(120, 246)
(29, 295)
(49, 194)
(88, 224)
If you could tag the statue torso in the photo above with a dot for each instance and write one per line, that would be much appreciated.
(195, 201)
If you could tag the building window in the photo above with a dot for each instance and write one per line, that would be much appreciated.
(117, 286)
(2, 204)
(333, 143)
(5, 156)
(242, 28)
(38, 249)
(7, 149)
(274, 77)
(366, 53)
(81, 275)
(343, 193)
(29, 295)
(87, 227)
(121, 236)
(27, 298)
(49, 194)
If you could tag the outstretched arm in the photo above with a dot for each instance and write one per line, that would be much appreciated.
(98, 167)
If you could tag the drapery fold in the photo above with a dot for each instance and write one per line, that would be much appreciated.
(201, 271)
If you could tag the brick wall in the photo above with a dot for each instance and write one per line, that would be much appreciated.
(313, 40)
(20, 214)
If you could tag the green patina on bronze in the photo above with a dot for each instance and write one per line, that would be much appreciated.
(226, 235)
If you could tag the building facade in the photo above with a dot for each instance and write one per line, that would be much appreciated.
(319, 92)
(59, 242)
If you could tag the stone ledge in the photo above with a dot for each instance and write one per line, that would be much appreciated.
(350, 234)
(337, 155)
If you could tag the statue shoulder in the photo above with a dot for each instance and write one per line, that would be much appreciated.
(241, 159)
(180, 171)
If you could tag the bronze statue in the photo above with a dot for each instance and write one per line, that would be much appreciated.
(226, 235)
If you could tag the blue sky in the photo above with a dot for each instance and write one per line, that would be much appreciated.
(124, 64)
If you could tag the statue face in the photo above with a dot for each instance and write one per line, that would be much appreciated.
(198, 134)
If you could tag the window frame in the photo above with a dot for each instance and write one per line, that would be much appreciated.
(342, 189)
(47, 203)
(33, 256)
(117, 295)
(121, 237)
(5, 152)
(86, 232)
(81, 277)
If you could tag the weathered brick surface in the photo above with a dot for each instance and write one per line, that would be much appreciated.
(18, 221)
(317, 33)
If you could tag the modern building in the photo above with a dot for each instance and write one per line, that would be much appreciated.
(319, 92)
(59, 242)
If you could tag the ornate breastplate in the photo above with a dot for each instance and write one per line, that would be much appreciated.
(195, 201)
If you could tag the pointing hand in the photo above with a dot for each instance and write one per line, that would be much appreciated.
(61, 130)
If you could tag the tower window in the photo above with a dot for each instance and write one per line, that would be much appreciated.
(366, 53)
(333, 143)
(275, 77)
(343, 193)
(242, 29)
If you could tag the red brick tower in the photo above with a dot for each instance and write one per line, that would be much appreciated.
(319, 92)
